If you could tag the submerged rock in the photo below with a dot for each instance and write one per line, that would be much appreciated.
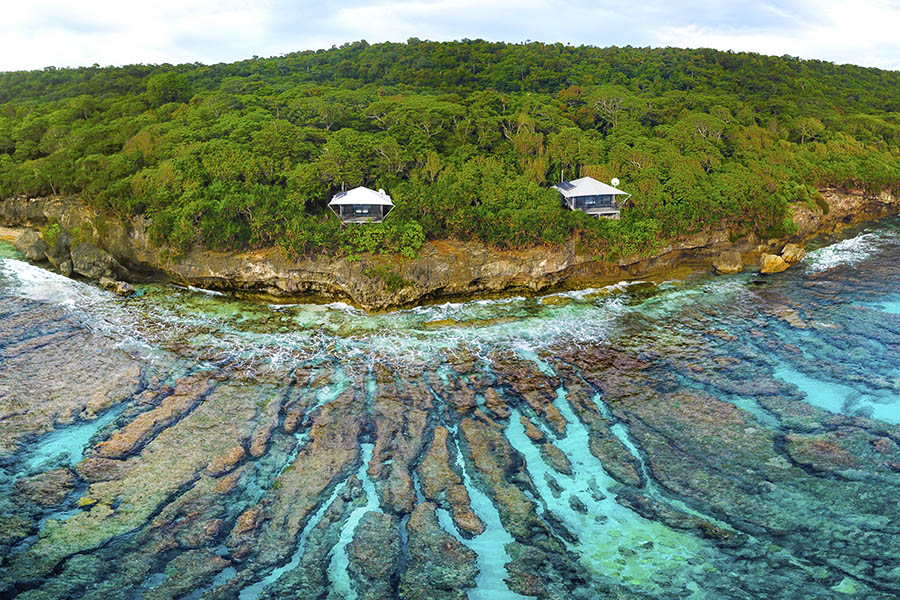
(556, 300)
(443, 485)
(46, 489)
(790, 316)
(129, 439)
(771, 263)
(54, 373)
(555, 457)
(95, 468)
(495, 403)
(439, 567)
(373, 555)
(186, 572)
(122, 288)
(220, 473)
(820, 452)
(533, 433)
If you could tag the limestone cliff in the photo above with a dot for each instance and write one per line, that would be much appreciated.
(443, 269)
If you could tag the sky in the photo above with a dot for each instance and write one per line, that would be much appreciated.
(61, 33)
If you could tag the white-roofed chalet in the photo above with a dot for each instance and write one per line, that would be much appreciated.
(361, 205)
(593, 197)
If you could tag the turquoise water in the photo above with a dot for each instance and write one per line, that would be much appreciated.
(612, 540)
(337, 569)
(67, 445)
(776, 360)
(890, 305)
(490, 546)
(843, 399)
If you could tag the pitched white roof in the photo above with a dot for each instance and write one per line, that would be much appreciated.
(587, 186)
(361, 195)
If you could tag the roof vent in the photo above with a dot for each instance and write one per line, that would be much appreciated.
(381, 191)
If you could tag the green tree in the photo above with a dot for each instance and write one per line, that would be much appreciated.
(166, 87)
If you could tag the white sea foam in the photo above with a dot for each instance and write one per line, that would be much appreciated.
(845, 252)
(216, 329)
(220, 329)
(205, 291)
(587, 293)
(42, 285)
(342, 306)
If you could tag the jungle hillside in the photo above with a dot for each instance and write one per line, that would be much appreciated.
(466, 136)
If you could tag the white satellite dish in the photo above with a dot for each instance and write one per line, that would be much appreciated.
(615, 181)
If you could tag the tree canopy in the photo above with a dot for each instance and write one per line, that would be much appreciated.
(467, 137)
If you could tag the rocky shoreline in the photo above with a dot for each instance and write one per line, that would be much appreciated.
(721, 439)
(603, 471)
(77, 241)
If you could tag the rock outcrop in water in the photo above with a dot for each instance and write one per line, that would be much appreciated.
(31, 245)
(108, 247)
(771, 263)
(793, 253)
(729, 262)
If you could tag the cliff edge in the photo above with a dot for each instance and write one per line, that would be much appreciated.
(77, 241)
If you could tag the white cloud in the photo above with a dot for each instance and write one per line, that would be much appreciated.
(59, 33)
(38, 33)
(863, 33)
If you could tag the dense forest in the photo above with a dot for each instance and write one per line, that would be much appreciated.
(466, 136)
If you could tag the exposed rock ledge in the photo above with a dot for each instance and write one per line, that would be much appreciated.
(443, 269)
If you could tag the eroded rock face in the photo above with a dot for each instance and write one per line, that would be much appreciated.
(772, 263)
(444, 268)
(793, 253)
(184, 572)
(94, 263)
(31, 245)
(728, 262)
(58, 250)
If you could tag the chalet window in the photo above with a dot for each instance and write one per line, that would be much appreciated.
(361, 210)
(586, 202)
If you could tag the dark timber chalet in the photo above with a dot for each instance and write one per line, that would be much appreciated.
(361, 205)
(593, 197)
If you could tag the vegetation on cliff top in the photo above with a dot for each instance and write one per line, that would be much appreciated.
(466, 136)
